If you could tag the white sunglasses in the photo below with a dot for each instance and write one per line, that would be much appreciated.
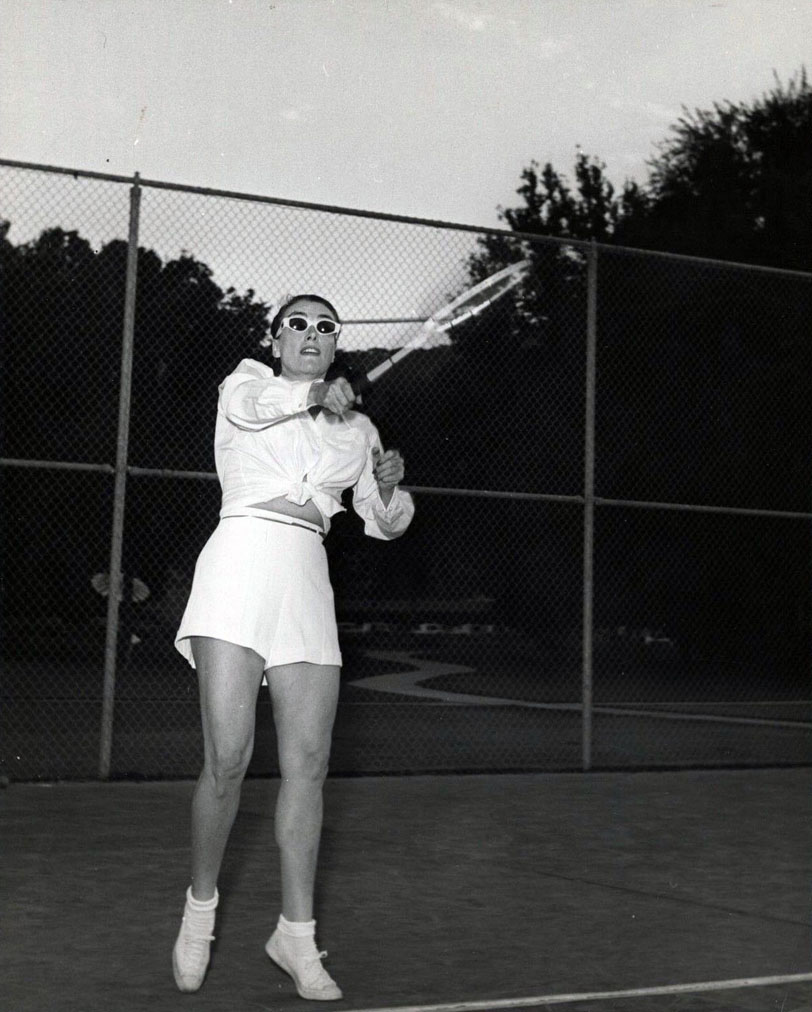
(299, 322)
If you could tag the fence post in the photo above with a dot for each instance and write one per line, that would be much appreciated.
(119, 491)
(589, 507)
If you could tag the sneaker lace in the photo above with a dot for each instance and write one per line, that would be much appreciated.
(314, 974)
(196, 932)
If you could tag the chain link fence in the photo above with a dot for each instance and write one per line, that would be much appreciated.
(609, 563)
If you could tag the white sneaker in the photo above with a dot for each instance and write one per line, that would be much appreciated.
(302, 960)
(190, 957)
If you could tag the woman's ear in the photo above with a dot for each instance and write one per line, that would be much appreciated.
(275, 348)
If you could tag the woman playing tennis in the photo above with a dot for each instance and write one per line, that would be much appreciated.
(261, 606)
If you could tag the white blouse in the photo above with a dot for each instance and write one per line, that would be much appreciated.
(267, 444)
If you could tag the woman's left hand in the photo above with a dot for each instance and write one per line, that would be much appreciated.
(388, 468)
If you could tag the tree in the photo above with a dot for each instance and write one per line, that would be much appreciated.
(704, 376)
(552, 208)
(733, 182)
(62, 324)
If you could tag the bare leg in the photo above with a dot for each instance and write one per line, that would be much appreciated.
(304, 702)
(229, 678)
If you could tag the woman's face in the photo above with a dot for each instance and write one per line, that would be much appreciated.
(305, 354)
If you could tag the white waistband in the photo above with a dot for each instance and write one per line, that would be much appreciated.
(263, 514)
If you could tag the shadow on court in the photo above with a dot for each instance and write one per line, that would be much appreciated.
(433, 890)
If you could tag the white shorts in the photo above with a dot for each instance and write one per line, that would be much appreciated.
(264, 584)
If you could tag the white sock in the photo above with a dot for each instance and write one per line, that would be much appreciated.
(296, 929)
(202, 904)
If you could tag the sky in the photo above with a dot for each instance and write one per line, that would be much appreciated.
(426, 108)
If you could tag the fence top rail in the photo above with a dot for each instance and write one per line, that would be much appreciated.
(533, 237)
(158, 184)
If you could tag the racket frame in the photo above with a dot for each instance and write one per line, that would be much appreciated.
(444, 319)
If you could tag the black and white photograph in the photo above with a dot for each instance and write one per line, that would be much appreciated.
(406, 497)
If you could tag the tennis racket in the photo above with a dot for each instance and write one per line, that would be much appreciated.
(464, 307)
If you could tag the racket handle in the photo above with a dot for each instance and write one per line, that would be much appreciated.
(360, 385)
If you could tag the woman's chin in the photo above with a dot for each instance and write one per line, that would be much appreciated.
(313, 370)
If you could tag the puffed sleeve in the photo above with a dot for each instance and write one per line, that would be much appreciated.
(253, 397)
(383, 522)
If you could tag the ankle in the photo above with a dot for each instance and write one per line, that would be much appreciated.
(296, 929)
(201, 905)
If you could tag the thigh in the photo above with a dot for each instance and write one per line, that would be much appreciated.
(304, 697)
(229, 677)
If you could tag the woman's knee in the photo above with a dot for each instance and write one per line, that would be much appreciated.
(227, 767)
(307, 763)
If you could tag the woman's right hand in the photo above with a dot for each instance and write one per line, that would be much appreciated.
(336, 396)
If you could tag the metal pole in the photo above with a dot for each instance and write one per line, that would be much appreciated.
(117, 535)
(589, 507)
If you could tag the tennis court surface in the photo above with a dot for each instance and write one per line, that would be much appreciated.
(635, 891)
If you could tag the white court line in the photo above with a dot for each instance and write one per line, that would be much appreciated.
(565, 999)
(408, 683)
(709, 718)
(732, 702)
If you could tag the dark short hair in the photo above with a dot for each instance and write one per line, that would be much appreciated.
(276, 322)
